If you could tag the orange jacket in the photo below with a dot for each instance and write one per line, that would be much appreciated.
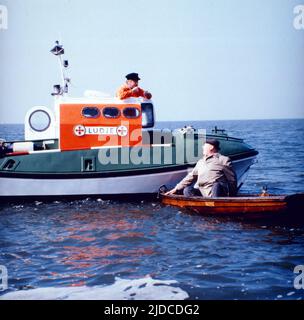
(125, 92)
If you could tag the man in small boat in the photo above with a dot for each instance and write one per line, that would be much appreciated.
(131, 89)
(213, 174)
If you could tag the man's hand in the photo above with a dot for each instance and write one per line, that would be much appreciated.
(148, 95)
(135, 90)
(174, 190)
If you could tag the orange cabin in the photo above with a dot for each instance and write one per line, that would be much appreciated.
(87, 125)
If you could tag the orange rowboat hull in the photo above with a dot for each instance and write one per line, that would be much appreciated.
(249, 206)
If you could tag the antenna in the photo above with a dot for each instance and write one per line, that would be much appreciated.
(63, 64)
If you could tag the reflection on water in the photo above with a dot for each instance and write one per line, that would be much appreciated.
(91, 245)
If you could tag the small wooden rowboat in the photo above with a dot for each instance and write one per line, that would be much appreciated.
(249, 206)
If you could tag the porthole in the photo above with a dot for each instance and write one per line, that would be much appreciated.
(131, 113)
(39, 120)
(90, 112)
(111, 112)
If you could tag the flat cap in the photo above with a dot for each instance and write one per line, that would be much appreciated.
(133, 76)
(214, 143)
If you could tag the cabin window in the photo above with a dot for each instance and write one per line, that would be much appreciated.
(147, 115)
(39, 120)
(111, 112)
(131, 113)
(90, 112)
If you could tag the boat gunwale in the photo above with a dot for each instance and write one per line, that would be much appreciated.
(239, 198)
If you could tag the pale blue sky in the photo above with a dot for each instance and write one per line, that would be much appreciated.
(201, 59)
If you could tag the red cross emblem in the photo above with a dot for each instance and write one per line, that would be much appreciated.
(122, 131)
(79, 130)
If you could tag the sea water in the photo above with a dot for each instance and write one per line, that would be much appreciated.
(101, 249)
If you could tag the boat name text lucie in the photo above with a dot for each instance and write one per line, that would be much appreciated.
(81, 130)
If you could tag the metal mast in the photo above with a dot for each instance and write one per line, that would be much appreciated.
(63, 64)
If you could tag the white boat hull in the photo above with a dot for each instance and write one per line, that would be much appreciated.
(102, 186)
(135, 184)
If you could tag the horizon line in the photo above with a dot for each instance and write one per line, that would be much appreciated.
(248, 119)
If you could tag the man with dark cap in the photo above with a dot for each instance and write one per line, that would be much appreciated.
(131, 89)
(213, 173)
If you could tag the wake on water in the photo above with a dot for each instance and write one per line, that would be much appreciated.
(122, 289)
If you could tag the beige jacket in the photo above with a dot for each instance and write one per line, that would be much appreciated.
(208, 170)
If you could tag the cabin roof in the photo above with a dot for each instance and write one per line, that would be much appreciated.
(99, 100)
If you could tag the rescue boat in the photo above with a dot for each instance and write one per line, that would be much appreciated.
(102, 146)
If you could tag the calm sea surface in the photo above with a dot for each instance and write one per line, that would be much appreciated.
(59, 245)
